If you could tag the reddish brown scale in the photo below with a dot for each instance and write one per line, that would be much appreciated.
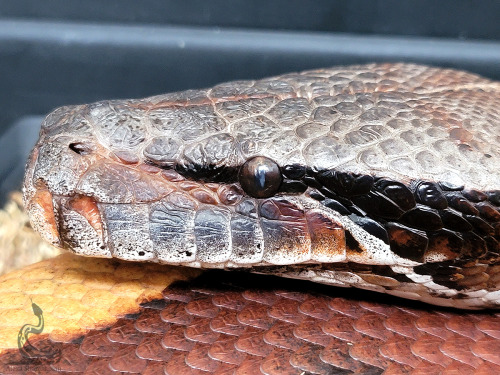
(42, 207)
(171, 175)
(125, 157)
(188, 185)
(203, 196)
(212, 186)
(274, 329)
(149, 168)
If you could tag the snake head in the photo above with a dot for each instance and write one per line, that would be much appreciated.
(155, 181)
(61, 156)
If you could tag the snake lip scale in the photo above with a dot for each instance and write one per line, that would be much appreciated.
(381, 176)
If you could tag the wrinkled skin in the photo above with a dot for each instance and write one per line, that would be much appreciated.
(390, 180)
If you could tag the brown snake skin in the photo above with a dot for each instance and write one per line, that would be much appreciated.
(229, 323)
(387, 179)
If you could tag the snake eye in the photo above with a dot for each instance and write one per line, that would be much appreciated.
(260, 177)
(80, 148)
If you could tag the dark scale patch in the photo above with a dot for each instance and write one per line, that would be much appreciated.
(294, 171)
(348, 206)
(357, 211)
(454, 220)
(352, 243)
(433, 269)
(474, 195)
(443, 273)
(345, 184)
(378, 205)
(311, 181)
(336, 206)
(292, 187)
(407, 242)
(474, 246)
(422, 217)
(447, 186)
(494, 197)
(208, 173)
(316, 195)
(489, 212)
(429, 194)
(493, 247)
(371, 226)
(205, 173)
(449, 281)
(408, 216)
(396, 192)
(457, 201)
(346, 202)
(480, 225)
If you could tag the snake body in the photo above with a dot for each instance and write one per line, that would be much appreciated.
(387, 179)
(382, 176)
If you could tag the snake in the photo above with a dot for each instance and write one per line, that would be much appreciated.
(26, 349)
(383, 177)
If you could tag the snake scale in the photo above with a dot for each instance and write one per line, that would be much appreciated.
(382, 177)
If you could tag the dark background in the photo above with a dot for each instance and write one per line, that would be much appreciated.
(56, 52)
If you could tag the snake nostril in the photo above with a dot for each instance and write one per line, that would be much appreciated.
(80, 148)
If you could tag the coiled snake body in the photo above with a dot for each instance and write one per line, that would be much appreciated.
(383, 177)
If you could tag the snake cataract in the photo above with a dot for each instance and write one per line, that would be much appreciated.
(384, 177)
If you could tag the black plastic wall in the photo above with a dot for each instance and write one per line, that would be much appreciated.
(444, 18)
